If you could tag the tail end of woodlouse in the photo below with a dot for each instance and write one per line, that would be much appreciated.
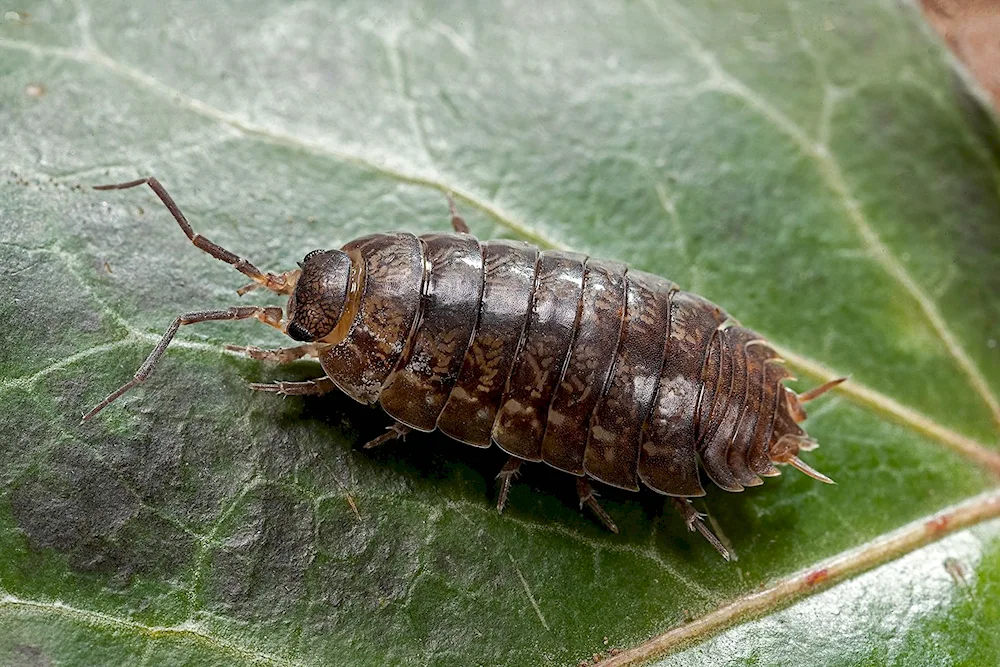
(787, 449)
(820, 390)
(795, 401)
(804, 467)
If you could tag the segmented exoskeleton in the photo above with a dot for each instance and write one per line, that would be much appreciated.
(601, 371)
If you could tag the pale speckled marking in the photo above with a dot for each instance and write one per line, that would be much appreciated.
(668, 462)
(590, 359)
(612, 453)
(469, 413)
(538, 365)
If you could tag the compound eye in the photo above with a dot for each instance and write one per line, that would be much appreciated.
(311, 255)
(297, 332)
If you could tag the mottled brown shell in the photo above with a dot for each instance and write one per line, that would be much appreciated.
(596, 369)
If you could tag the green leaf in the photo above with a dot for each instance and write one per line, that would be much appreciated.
(815, 168)
(935, 606)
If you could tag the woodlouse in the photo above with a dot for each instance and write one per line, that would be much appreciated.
(601, 371)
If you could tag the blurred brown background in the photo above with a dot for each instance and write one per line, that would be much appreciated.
(972, 30)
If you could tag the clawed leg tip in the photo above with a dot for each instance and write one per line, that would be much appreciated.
(694, 521)
(375, 442)
(588, 497)
(394, 431)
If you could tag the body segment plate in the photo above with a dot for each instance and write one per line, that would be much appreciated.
(668, 462)
(612, 454)
(392, 275)
(591, 356)
(540, 359)
(417, 390)
(509, 269)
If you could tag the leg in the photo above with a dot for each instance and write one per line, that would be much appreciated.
(457, 221)
(510, 470)
(694, 522)
(284, 355)
(396, 430)
(282, 283)
(270, 315)
(317, 387)
(276, 283)
(588, 497)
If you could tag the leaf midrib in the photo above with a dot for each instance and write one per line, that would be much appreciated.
(818, 577)
(186, 631)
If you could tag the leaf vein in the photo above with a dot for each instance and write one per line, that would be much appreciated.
(816, 577)
(188, 630)
(724, 82)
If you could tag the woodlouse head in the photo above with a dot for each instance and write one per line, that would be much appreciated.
(316, 305)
